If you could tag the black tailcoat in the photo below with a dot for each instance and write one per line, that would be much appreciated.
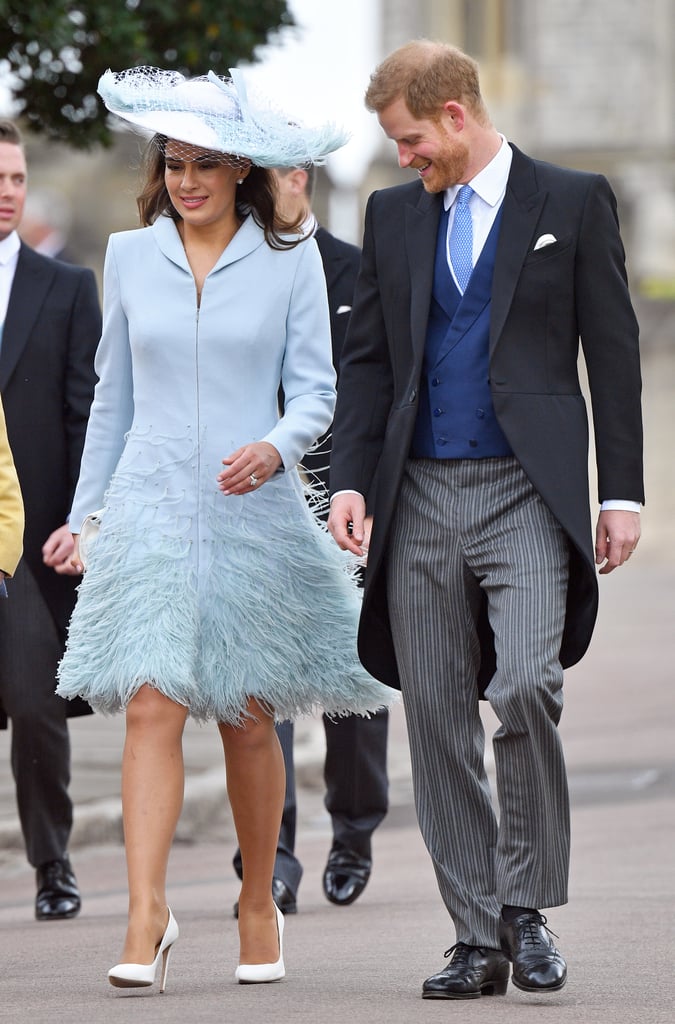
(543, 302)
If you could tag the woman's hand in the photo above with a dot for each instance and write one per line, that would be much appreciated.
(75, 560)
(248, 468)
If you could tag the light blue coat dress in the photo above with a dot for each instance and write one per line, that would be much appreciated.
(211, 598)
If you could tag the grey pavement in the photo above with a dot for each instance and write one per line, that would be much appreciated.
(367, 962)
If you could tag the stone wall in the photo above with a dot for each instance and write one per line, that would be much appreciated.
(585, 83)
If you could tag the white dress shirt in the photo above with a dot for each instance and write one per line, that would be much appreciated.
(9, 254)
(489, 189)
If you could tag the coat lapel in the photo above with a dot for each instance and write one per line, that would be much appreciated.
(248, 238)
(421, 227)
(521, 209)
(31, 283)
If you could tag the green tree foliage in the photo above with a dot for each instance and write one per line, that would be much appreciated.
(54, 51)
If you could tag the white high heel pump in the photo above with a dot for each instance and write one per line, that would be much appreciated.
(142, 975)
(255, 974)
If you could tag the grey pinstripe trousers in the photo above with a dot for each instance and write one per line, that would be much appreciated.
(462, 525)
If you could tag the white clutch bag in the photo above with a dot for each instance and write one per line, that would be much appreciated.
(88, 534)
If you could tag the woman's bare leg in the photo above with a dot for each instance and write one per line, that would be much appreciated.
(256, 784)
(152, 798)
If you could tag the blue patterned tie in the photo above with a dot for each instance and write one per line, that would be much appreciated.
(461, 238)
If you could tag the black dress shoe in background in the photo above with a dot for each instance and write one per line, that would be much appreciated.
(282, 896)
(537, 965)
(58, 896)
(346, 876)
(473, 971)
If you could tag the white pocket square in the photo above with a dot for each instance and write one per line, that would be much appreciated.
(344, 309)
(544, 240)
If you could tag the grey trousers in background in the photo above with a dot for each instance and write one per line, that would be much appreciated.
(30, 650)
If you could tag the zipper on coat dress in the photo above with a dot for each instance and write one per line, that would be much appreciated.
(198, 439)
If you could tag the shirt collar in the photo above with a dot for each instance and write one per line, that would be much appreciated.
(490, 183)
(9, 248)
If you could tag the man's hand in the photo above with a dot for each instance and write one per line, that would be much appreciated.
(616, 537)
(57, 551)
(346, 521)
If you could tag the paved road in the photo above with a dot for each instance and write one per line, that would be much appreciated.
(367, 962)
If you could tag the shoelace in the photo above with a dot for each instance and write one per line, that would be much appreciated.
(531, 936)
(462, 951)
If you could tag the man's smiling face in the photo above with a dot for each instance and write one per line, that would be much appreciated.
(432, 147)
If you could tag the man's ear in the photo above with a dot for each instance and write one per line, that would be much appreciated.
(454, 115)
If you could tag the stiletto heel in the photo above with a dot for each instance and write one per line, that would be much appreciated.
(143, 975)
(255, 974)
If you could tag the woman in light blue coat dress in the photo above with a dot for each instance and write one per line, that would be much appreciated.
(211, 590)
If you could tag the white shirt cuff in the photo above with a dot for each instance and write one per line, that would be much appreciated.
(345, 492)
(620, 505)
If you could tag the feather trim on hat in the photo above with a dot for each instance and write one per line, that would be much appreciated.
(214, 113)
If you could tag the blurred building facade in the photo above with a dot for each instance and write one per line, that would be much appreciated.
(585, 83)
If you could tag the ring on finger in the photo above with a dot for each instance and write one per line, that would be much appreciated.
(253, 479)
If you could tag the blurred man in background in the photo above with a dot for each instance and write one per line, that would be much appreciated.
(50, 326)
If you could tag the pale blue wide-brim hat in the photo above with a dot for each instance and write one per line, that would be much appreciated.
(214, 113)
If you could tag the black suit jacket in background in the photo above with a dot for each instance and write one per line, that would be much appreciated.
(341, 266)
(47, 380)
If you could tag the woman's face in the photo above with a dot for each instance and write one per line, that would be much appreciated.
(201, 186)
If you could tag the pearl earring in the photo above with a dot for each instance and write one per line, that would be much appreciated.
(240, 181)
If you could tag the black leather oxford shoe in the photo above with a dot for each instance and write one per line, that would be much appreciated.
(346, 876)
(537, 965)
(58, 896)
(473, 971)
(282, 896)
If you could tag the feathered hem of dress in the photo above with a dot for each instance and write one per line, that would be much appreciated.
(264, 621)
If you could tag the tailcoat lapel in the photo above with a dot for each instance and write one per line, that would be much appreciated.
(421, 226)
(521, 209)
(31, 283)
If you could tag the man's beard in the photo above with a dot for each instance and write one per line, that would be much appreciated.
(447, 168)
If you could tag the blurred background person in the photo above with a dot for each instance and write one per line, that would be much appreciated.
(45, 224)
(51, 324)
(355, 768)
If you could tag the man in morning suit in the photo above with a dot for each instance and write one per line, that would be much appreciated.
(51, 323)
(460, 422)
(355, 768)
